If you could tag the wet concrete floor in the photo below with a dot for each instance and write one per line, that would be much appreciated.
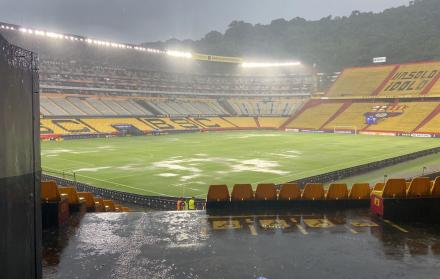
(344, 244)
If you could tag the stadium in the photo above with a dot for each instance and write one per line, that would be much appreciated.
(147, 161)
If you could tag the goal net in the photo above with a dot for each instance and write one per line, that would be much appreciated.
(345, 130)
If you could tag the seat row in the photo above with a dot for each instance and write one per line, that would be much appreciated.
(52, 193)
(400, 188)
(287, 192)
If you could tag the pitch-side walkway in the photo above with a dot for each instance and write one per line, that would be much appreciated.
(348, 244)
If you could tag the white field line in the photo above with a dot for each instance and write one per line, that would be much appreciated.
(128, 175)
(74, 161)
(123, 185)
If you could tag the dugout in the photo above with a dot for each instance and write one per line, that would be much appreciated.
(20, 219)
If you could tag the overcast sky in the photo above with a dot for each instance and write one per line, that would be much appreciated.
(150, 20)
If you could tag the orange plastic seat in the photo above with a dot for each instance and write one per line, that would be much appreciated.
(394, 188)
(379, 186)
(266, 192)
(419, 187)
(337, 192)
(118, 208)
(109, 206)
(49, 191)
(218, 193)
(289, 191)
(242, 192)
(360, 191)
(125, 209)
(99, 205)
(88, 199)
(313, 191)
(435, 190)
(71, 194)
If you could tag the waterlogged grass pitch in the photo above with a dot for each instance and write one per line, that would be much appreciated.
(186, 164)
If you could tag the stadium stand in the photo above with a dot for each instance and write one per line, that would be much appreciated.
(407, 116)
(242, 122)
(59, 203)
(314, 117)
(107, 125)
(353, 116)
(360, 81)
(432, 123)
(64, 127)
(271, 122)
(412, 80)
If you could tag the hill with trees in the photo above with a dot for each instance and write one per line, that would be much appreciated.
(403, 34)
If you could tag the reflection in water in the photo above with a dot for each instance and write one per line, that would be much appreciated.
(196, 245)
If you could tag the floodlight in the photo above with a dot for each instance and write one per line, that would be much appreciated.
(269, 65)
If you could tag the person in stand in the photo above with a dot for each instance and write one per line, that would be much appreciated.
(186, 202)
(180, 204)
(192, 204)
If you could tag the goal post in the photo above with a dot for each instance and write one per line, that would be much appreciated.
(345, 130)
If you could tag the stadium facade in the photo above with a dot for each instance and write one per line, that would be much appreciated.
(91, 87)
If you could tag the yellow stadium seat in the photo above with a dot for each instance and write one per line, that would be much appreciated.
(337, 192)
(266, 192)
(109, 206)
(394, 188)
(289, 191)
(71, 194)
(379, 186)
(99, 205)
(360, 191)
(242, 192)
(419, 187)
(218, 193)
(49, 191)
(435, 190)
(89, 200)
(313, 191)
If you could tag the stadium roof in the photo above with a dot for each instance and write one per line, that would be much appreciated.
(134, 47)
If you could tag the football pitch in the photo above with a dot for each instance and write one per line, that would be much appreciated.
(186, 164)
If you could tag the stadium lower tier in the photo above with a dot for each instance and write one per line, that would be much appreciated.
(387, 118)
(51, 128)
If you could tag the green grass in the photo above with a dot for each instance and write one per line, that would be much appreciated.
(186, 164)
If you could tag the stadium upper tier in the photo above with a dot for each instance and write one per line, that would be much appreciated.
(73, 77)
(406, 80)
(78, 105)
